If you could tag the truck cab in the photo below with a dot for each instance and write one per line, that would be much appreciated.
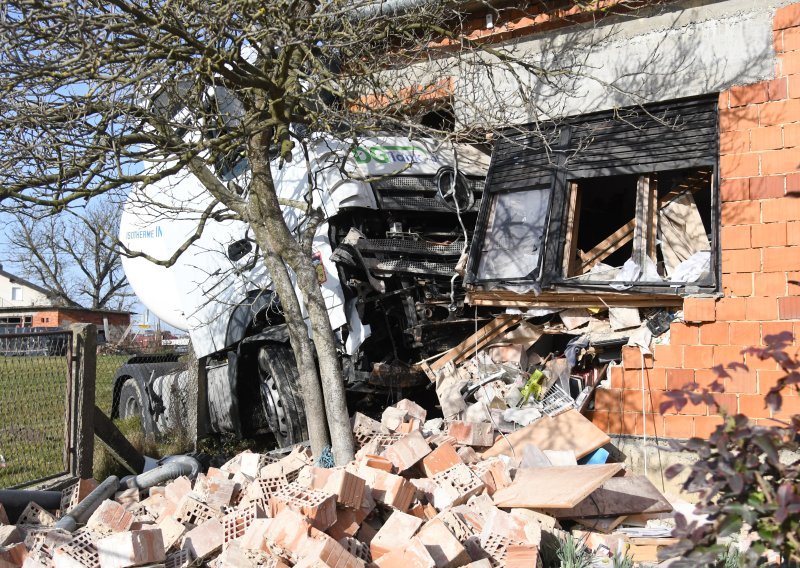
(395, 216)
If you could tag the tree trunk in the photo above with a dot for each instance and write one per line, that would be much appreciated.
(267, 212)
(301, 345)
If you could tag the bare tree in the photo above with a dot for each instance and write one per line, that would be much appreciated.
(97, 96)
(72, 256)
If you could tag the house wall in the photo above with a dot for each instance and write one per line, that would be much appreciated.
(30, 297)
(117, 323)
(56, 318)
(670, 50)
(760, 261)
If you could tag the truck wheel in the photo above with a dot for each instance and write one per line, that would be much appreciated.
(281, 396)
(132, 402)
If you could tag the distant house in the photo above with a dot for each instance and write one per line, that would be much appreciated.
(16, 292)
(23, 305)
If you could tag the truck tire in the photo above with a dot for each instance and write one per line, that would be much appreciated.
(133, 402)
(281, 395)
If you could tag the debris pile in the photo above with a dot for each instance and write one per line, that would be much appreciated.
(419, 493)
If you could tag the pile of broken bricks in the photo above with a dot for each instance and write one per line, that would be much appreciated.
(420, 493)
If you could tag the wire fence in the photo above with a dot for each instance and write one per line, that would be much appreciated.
(37, 398)
(35, 378)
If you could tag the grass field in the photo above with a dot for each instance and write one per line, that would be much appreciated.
(32, 411)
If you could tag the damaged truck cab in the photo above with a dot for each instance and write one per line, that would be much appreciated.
(393, 217)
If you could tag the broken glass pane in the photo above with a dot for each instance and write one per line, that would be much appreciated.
(513, 242)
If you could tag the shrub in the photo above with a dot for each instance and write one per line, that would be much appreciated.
(746, 476)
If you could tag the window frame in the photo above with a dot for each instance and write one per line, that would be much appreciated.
(550, 272)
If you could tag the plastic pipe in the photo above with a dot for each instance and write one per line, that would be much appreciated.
(81, 512)
(19, 498)
(168, 469)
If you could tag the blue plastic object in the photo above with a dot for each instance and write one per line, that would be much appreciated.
(598, 456)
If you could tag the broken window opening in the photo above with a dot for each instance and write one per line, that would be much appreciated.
(632, 206)
(650, 229)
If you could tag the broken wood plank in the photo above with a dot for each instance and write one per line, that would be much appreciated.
(629, 495)
(645, 216)
(572, 224)
(476, 341)
(117, 443)
(569, 430)
(605, 525)
(607, 247)
(570, 299)
(556, 487)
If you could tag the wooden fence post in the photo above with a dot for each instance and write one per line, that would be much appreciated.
(84, 374)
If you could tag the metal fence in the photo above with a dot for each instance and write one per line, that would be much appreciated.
(35, 421)
(50, 382)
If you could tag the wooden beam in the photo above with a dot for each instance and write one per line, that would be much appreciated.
(652, 226)
(606, 248)
(476, 341)
(644, 219)
(504, 298)
(572, 223)
(117, 443)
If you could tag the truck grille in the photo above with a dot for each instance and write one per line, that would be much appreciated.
(398, 266)
(416, 193)
(411, 247)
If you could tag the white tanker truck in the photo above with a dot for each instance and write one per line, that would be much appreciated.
(396, 220)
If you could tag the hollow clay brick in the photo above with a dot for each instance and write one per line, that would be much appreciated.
(455, 486)
(253, 537)
(235, 523)
(318, 506)
(10, 534)
(391, 490)
(412, 409)
(205, 539)
(407, 451)
(472, 433)
(177, 489)
(110, 517)
(13, 555)
(413, 554)
(171, 532)
(131, 548)
(442, 545)
(35, 515)
(393, 417)
(378, 462)
(442, 458)
(395, 533)
(216, 492)
(79, 552)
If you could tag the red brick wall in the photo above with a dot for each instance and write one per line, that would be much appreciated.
(67, 318)
(45, 319)
(760, 242)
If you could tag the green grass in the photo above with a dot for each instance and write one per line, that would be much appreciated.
(33, 403)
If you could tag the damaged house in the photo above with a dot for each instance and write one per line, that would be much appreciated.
(648, 227)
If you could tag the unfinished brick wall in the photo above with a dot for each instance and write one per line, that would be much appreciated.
(760, 251)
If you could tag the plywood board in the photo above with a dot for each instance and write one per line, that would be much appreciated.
(569, 430)
(620, 496)
(556, 487)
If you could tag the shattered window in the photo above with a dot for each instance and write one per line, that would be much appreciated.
(631, 203)
(640, 229)
(515, 234)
